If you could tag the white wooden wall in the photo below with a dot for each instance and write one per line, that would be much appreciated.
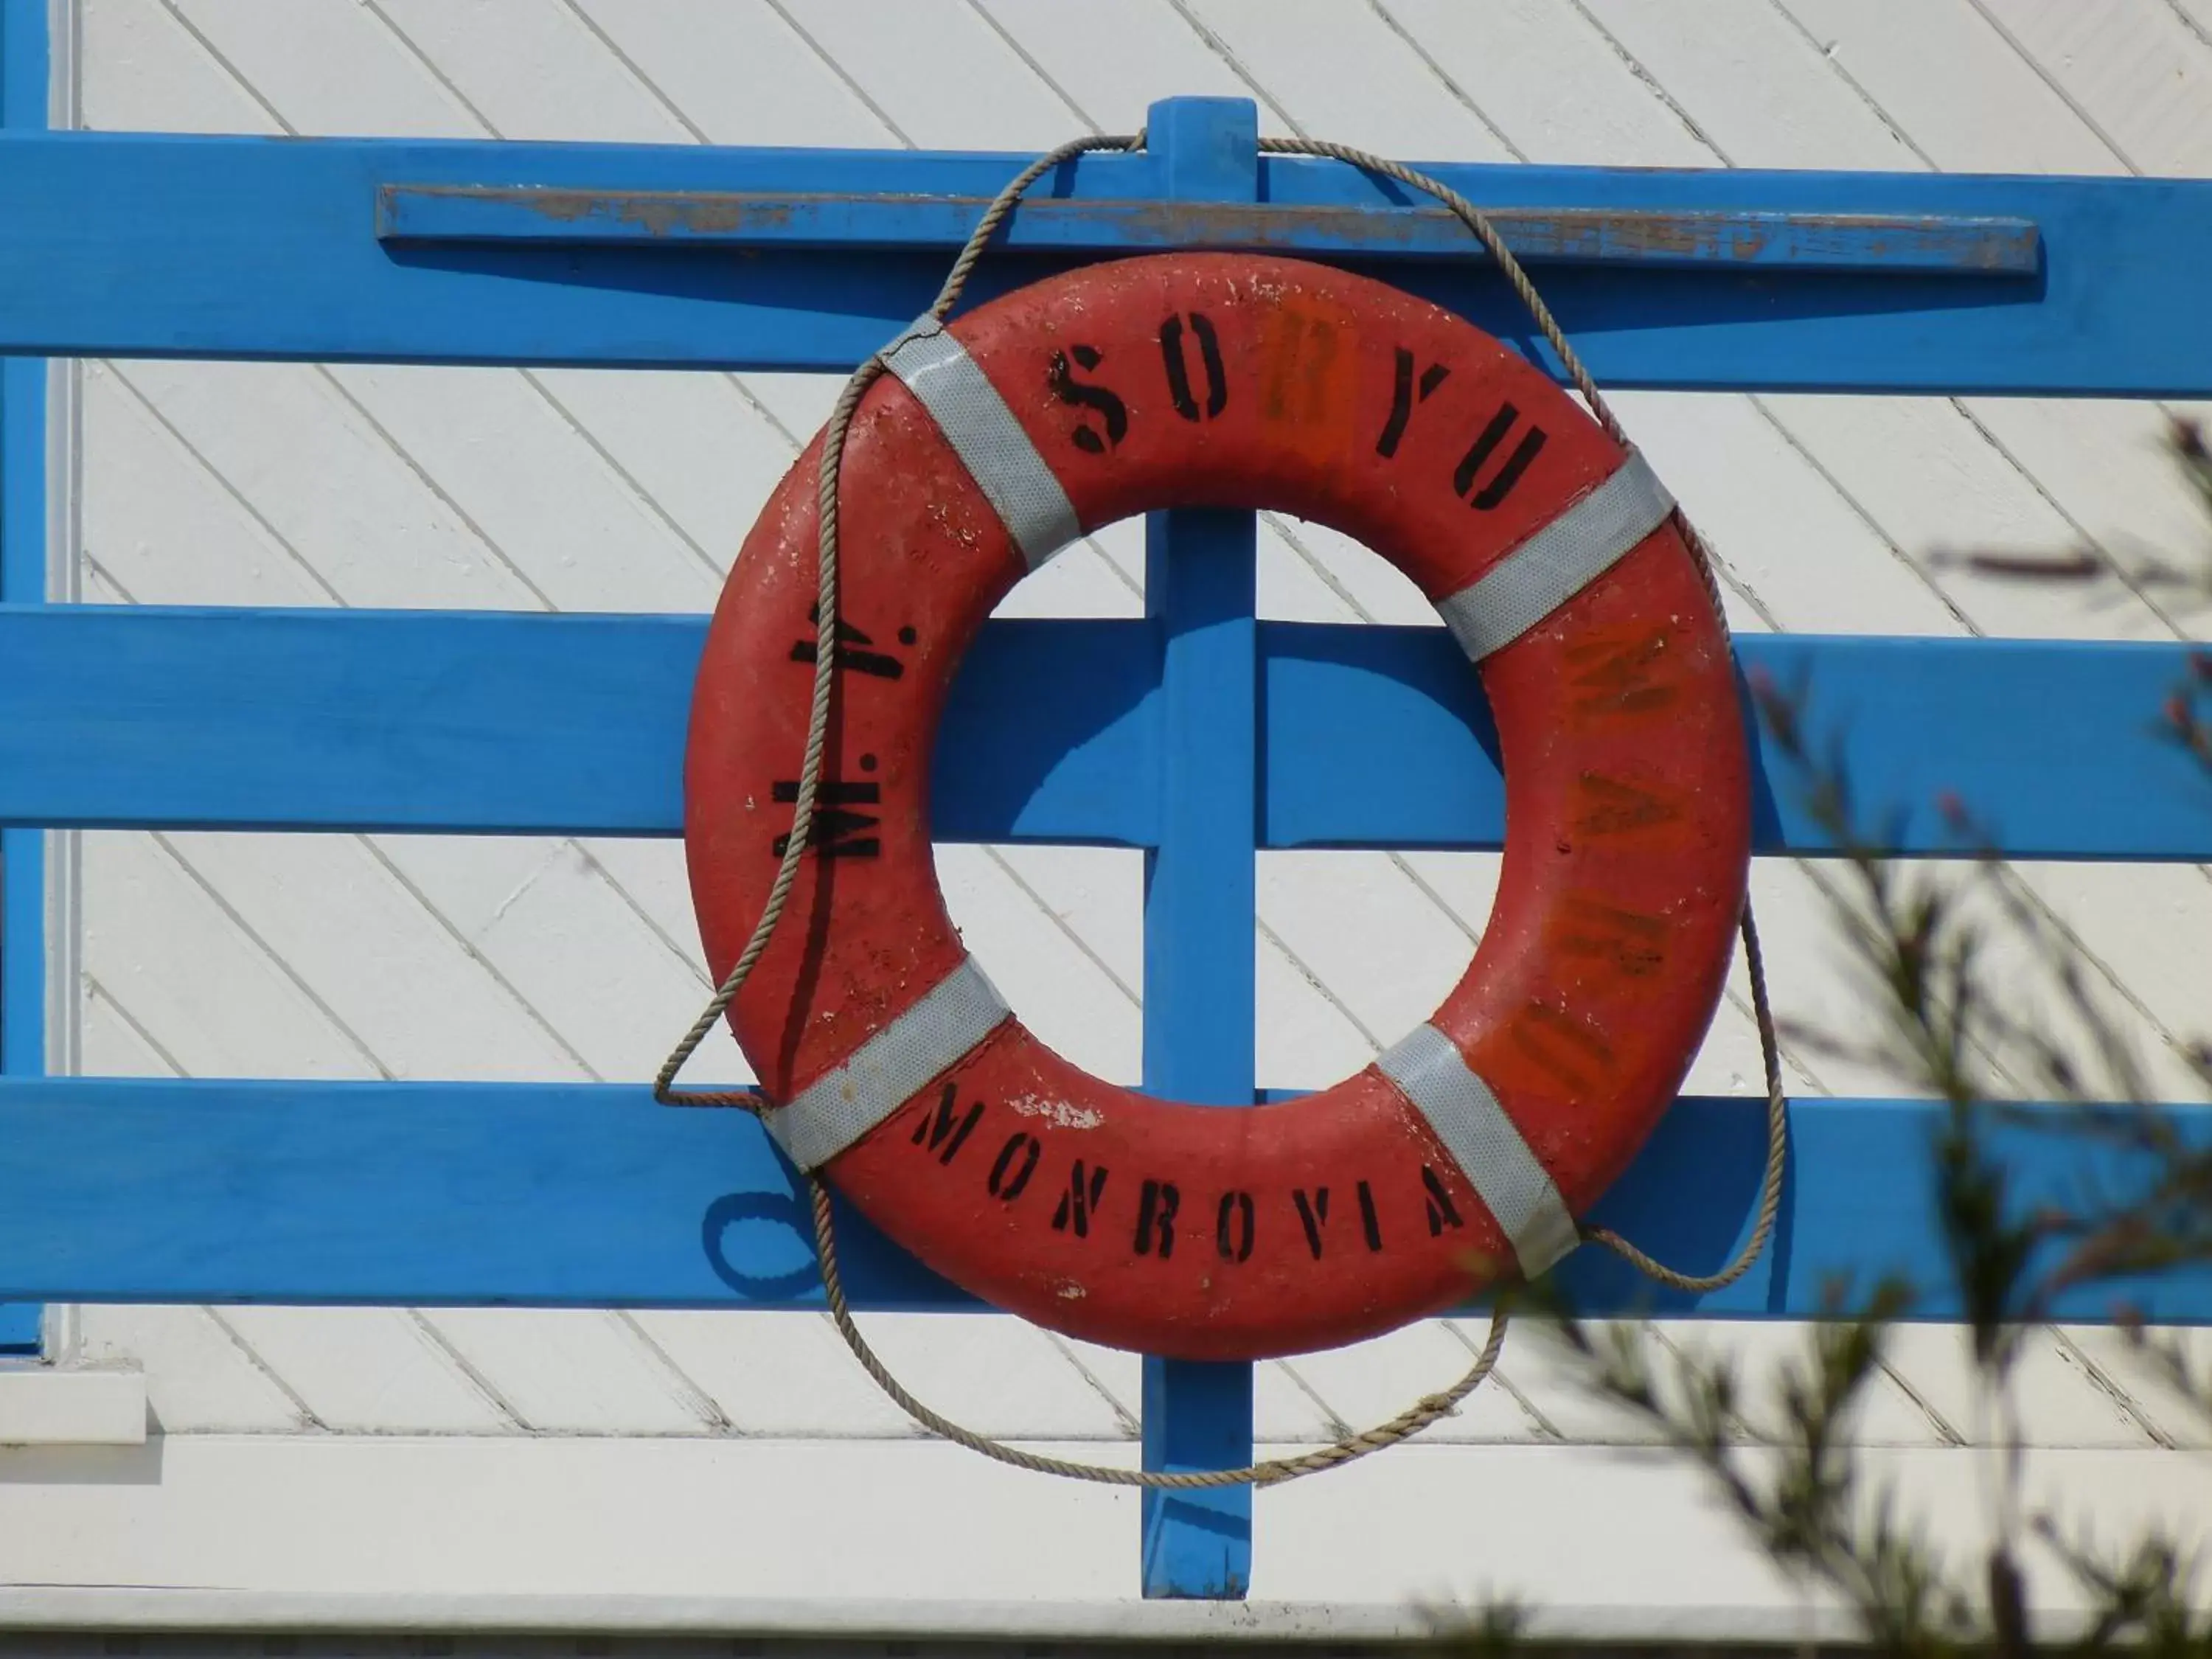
(413, 958)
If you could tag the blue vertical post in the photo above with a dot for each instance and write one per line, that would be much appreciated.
(23, 94)
(1199, 894)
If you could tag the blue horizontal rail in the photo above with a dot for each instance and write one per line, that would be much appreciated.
(1782, 243)
(1372, 737)
(590, 1195)
(268, 248)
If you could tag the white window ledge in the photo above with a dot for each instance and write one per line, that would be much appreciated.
(44, 1405)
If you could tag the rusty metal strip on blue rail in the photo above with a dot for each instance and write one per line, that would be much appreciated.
(1920, 243)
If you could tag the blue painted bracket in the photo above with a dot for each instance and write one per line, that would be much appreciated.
(1201, 592)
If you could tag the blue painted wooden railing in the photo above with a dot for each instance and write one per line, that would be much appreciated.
(1198, 734)
(24, 73)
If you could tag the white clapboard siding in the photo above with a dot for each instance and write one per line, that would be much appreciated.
(200, 1378)
(938, 74)
(1762, 1356)
(1370, 1383)
(164, 948)
(1062, 990)
(130, 536)
(2170, 1415)
(361, 940)
(1758, 92)
(499, 61)
(140, 68)
(537, 487)
(1111, 62)
(779, 1374)
(574, 1371)
(1556, 1392)
(2069, 1402)
(1928, 479)
(1942, 72)
(1548, 83)
(1367, 86)
(2142, 75)
(574, 945)
(1305, 1040)
(272, 436)
(733, 74)
(369, 1369)
(323, 68)
(293, 484)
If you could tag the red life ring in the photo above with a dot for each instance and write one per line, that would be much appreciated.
(1178, 1230)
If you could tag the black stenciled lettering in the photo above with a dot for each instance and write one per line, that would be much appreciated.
(944, 1131)
(1371, 1223)
(851, 652)
(1084, 1188)
(1313, 1215)
(1442, 1213)
(1236, 1227)
(1112, 412)
(836, 832)
(1016, 1163)
(1209, 352)
(1486, 442)
(1157, 1206)
(1403, 398)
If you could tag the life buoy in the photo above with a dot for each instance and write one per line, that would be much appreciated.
(896, 1069)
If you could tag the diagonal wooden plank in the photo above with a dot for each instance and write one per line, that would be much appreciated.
(196, 987)
(329, 65)
(273, 436)
(737, 71)
(534, 71)
(1111, 63)
(343, 924)
(1942, 73)
(2140, 73)
(534, 485)
(141, 69)
(360, 1370)
(173, 531)
(1549, 80)
(1783, 107)
(569, 1372)
(1327, 93)
(904, 58)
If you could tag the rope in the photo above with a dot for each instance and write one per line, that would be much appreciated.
(1407, 1423)
(1430, 1407)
